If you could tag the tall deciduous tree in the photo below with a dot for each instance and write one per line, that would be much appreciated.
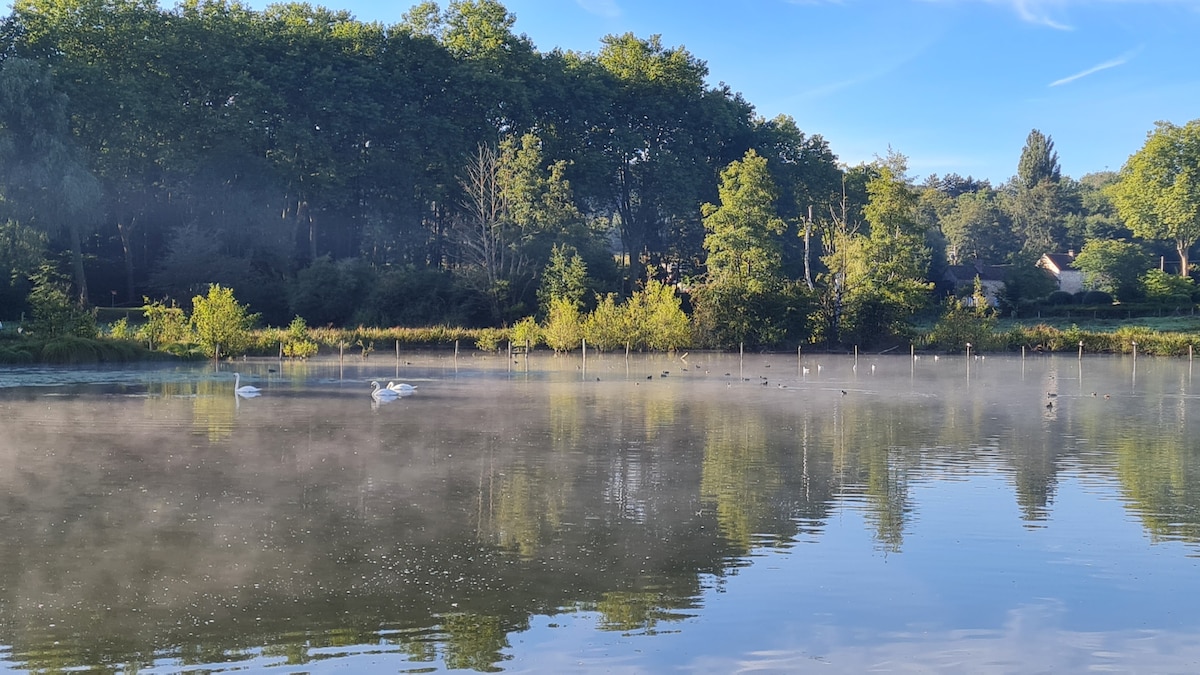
(886, 271)
(742, 233)
(1113, 266)
(976, 228)
(1158, 193)
(42, 174)
(744, 260)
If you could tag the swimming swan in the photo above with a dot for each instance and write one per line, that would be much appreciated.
(382, 393)
(243, 390)
(401, 387)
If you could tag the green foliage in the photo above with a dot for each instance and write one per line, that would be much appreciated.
(222, 326)
(1158, 286)
(490, 339)
(1060, 298)
(741, 240)
(1158, 194)
(120, 330)
(164, 326)
(1039, 161)
(658, 310)
(55, 314)
(296, 343)
(1097, 298)
(1025, 281)
(961, 324)
(565, 277)
(527, 333)
(328, 292)
(15, 356)
(604, 327)
(563, 329)
(1113, 267)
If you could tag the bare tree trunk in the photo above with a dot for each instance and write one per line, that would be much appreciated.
(807, 249)
(77, 260)
(126, 232)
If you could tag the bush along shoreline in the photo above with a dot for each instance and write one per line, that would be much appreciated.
(652, 320)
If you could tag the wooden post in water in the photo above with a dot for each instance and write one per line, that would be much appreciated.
(397, 351)
(583, 342)
(855, 356)
(1081, 350)
(1134, 343)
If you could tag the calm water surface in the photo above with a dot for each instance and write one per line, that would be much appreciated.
(713, 514)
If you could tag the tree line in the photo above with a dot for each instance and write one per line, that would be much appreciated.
(443, 170)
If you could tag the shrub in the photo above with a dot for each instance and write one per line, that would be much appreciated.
(70, 350)
(1096, 298)
(221, 324)
(489, 339)
(1060, 298)
(563, 328)
(527, 333)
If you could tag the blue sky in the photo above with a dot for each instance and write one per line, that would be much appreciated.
(955, 85)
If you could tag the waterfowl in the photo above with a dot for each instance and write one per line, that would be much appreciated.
(242, 390)
(380, 393)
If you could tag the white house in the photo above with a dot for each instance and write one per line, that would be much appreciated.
(1062, 266)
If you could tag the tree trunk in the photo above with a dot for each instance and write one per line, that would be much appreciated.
(126, 232)
(77, 260)
(1182, 246)
(807, 249)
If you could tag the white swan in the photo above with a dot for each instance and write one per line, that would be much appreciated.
(380, 393)
(401, 387)
(243, 390)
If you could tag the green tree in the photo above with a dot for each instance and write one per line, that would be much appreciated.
(976, 228)
(1039, 161)
(603, 326)
(886, 276)
(221, 324)
(564, 326)
(55, 313)
(165, 324)
(1113, 266)
(1158, 286)
(667, 327)
(744, 258)
(564, 277)
(1158, 194)
(43, 177)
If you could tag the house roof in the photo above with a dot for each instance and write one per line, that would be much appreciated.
(967, 273)
(1062, 262)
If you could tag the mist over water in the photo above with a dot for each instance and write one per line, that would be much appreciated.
(711, 513)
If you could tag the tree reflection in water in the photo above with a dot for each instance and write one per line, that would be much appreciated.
(171, 524)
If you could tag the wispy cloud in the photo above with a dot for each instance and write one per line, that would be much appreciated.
(603, 8)
(1034, 11)
(1041, 12)
(1111, 63)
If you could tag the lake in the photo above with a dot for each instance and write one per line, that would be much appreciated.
(706, 514)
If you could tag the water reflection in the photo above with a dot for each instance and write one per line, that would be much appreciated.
(499, 516)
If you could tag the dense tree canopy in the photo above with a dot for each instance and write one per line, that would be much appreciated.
(1158, 193)
(439, 169)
